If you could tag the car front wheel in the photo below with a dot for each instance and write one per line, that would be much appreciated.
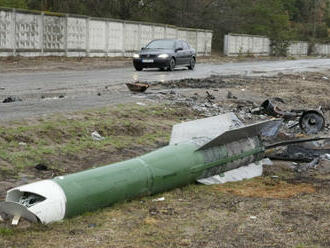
(171, 65)
(138, 68)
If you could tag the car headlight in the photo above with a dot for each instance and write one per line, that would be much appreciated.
(136, 56)
(163, 56)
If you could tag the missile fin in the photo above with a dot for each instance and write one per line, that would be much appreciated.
(16, 209)
(207, 129)
(266, 128)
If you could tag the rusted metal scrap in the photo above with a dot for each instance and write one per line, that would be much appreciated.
(310, 121)
(304, 152)
(138, 87)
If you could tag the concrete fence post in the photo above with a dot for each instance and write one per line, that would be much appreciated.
(196, 42)
(87, 37)
(153, 32)
(42, 16)
(124, 37)
(139, 37)
(14, 39)
(66, 33)
(107, 37)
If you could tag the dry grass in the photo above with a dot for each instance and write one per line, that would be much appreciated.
(266, 187)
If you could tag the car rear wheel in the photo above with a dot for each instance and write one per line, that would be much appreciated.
(138, 68)
(192, 64)
(172, 64)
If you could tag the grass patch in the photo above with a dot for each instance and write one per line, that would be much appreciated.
(265, 187)
(62, 140)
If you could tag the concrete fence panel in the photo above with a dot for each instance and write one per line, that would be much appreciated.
(116, 39)
(31, 33)
(171, 33)
(146, 35)
(201, 46)
(159, 32)
(208, 43)
(77, 35)
(235, 45)
(322, 49)
(7, 27)
(192, 39)
(182, 34)
(97, 38)
(28, 33)
(298, 48)
(54, 35)
(131, 38)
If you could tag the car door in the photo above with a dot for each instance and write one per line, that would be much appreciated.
(186, 53)
(180, 55)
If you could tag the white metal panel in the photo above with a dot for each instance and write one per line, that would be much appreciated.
(50, 210)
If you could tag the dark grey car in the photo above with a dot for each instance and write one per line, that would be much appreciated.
(165, 54)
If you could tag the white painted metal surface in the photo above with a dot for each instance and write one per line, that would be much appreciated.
(49, 210)
(208, 128)
(246, 172)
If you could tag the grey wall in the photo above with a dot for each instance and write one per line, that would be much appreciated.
(241, 44)
(27, 33)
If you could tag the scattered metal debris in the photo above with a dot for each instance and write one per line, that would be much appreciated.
(96, 136)
(310, 121)
(41, 167)
(159, 199)
(12, 99)
(16, 220)
(309, 151)
(138, 87)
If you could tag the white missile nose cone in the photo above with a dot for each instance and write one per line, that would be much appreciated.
(42, 201)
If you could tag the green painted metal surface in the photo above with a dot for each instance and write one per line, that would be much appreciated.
(167, 168)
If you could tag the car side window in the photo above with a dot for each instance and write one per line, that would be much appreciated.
(179, 44)
(185, 46)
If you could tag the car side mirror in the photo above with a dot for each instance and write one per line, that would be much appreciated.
(178, 49)
(142, 48)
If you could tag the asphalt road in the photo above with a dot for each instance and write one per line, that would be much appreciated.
(40, 91)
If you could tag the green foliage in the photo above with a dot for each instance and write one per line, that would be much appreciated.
(13, 3)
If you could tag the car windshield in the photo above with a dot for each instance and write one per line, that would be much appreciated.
(161, 44)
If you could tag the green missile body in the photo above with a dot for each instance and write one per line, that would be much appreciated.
(184, 161)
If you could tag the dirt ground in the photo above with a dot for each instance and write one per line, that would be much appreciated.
(283, 208)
